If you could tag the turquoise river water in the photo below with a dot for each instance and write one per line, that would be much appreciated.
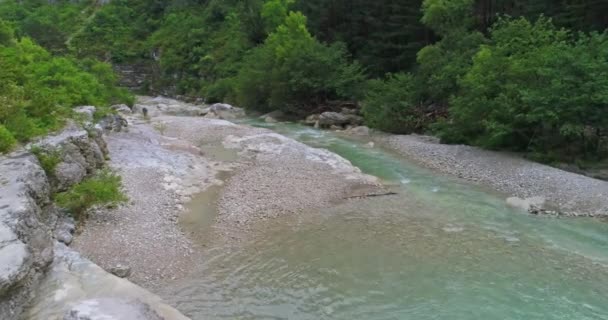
(441, 249)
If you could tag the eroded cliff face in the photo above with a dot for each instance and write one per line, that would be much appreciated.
(31, 226)
(27, 216)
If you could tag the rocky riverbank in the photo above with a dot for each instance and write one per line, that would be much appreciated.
(32, 258)
(536, 187)
(172, 156)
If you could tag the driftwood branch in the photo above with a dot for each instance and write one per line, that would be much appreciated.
(371, 195)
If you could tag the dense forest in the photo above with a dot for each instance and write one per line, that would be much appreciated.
(528, 76)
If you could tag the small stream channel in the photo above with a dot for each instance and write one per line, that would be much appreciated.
(441, 249)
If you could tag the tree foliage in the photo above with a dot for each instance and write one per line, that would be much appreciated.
(38, 90)
(525, 75)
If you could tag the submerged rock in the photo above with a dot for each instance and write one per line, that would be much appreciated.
(526, 204)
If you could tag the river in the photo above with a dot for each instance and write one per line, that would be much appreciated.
(439, 249)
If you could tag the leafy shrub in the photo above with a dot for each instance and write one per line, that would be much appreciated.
(391, 104)
(37, 90)
(104, 188)
(292, 69)
(545, 92)
(7, 141)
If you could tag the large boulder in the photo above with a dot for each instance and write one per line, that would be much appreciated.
(327, 119)
(76, 153)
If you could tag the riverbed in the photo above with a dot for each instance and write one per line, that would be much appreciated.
(439, 249)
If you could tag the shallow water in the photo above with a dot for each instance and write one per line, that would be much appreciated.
(441, 249)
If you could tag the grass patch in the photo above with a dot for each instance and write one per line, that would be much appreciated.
(104, 188)
(48, 159)
(7, 140)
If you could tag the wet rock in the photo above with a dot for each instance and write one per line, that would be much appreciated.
(120, 271)
(358, 131)
(526, 204)
(111, 309)
(335, 128)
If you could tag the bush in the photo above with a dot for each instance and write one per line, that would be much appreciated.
(7, 141)
(545, 92)
(292, 70)
(391, 104)
(102, 189)
(37, 90)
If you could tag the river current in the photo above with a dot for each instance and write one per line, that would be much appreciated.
(439, 249)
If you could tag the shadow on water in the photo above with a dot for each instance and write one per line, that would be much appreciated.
(441, 250)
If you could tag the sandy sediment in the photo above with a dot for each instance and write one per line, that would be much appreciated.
(169, 159)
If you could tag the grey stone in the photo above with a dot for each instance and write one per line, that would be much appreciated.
(120, 271)
(27, 217)
(81, 152)
(527, 204)
(15, 263)
(25, 244)
(111, 309)
(64, 230)
(327, 119)
(359, 131)
(122, 108)
(87, 112)
(114, 122)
